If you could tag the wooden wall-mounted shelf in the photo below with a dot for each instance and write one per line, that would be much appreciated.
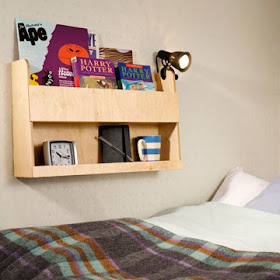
(42, 113)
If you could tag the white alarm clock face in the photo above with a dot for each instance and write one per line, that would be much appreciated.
(60, 153)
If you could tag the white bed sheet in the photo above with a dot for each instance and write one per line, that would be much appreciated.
(231, 226)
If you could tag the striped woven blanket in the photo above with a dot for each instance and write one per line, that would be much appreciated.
(124, 249)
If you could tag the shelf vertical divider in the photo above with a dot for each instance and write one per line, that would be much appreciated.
(22, 127)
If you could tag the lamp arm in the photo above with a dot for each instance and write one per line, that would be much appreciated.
(166, 68)
(157, 62)
(164, 55)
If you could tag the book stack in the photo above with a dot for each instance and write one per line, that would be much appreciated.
(68, 56)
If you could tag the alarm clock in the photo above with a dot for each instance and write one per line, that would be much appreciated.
(60, 152)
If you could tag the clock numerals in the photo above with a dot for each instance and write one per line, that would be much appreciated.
(62, 154)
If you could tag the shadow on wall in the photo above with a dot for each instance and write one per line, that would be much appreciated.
(213, 194)
(91, 196)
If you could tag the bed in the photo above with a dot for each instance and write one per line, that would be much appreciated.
(212, 240)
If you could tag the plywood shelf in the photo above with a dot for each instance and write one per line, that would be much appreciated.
(98, 105)
(104, 168)
(42, 113)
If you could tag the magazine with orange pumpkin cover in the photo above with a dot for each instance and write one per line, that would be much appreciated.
(49, 47)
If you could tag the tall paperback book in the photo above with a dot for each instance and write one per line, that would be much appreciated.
(49, 47)
(93, 44)
(94, 73)
(134, 77)
(117, 55)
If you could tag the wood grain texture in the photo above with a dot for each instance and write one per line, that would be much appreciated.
(167, 85)
(104, 168)
(59, 104)
(170, 141)
(88, 147)
(22, 127)
(42, 113)
(82, 133)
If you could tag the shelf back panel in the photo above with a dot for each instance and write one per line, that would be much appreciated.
(88, 147)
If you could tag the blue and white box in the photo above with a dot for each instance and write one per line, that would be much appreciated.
(148, 147)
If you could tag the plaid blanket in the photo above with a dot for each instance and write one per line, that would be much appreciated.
(124, 249)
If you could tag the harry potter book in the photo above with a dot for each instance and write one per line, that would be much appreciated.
(49, 47)
(94, 73)
(134, 77)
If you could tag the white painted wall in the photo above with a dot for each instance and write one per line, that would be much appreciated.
(228, 103)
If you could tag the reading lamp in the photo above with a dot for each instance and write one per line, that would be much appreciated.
(179, 60)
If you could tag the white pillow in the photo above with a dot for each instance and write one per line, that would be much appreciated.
(238, 188)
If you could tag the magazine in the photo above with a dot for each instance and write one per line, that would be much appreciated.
(49, 47)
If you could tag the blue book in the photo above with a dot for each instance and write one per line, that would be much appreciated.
(134, 77)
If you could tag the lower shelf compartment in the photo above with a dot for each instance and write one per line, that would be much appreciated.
(104, 168)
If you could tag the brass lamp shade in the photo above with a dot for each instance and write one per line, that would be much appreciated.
(179, 60)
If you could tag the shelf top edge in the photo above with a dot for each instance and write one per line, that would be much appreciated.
(57, 89)
(166, 86)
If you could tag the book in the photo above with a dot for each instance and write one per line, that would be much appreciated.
(134, 77)
(94, 73)
(117, 55)
(93, 44)
(49, 47)
(119, 136)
